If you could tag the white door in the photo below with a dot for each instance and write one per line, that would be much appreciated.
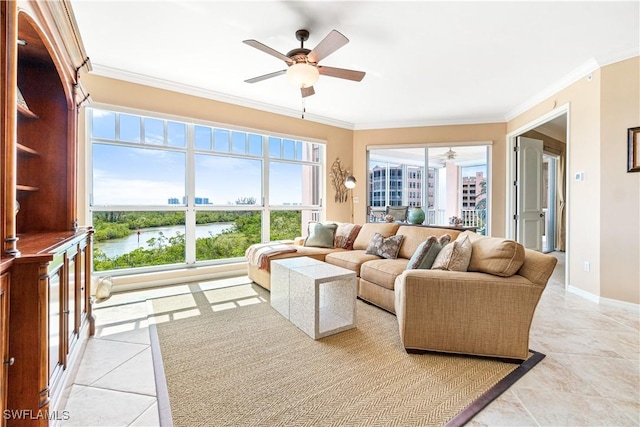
(529, 215)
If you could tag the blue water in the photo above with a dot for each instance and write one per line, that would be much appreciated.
(115, 247)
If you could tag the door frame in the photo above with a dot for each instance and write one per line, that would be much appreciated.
(551, 195)
(510, 229)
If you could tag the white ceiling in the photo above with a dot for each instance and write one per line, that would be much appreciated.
(427, 62)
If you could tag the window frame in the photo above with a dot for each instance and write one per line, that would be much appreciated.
(426, 181)
(309, 211)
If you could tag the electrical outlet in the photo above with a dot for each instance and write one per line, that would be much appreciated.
(587, 266)
(356, 200)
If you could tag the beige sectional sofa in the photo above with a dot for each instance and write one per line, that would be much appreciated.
(485, 311)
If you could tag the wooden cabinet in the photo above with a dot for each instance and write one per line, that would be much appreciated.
(50, 312)
(45, 312)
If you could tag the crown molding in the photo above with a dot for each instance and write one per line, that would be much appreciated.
(427, 123)
(619, 56)
(582, 71)
(127, 76)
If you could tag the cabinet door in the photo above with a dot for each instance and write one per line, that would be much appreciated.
(84, 275)
(71, 319)
(56, 327)
(4, 342)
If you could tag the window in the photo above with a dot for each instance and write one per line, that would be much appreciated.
(167, 193)
(452, 186)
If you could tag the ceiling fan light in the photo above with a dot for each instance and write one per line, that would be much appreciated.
(302, 75)
(450, 155)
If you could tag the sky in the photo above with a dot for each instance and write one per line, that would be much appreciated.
(154, 171)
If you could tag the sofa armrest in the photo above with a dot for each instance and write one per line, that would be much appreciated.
(466, 312)
(299, 241)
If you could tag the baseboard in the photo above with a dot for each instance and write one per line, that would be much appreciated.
(610, 302)
(617, 303)
(179, 276)
(584, 294)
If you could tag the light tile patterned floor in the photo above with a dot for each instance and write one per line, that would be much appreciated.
(590, 376)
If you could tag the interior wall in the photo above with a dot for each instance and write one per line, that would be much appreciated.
(620, 190)
(601, 106)
(493, 132)
(110, 91)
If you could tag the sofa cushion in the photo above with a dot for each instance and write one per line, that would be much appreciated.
(455, 256)
(385, 247)
(369, 229)
(321, 235)
(383, 272)
(415, 235)
(346, 234)
(351, 260)
(427, 252)
(497, 256)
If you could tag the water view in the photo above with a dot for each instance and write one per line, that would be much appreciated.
(115, 247)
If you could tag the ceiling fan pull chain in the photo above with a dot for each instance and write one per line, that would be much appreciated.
(304, 109)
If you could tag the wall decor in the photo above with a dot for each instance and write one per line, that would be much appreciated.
(633, 151)
(338, 176)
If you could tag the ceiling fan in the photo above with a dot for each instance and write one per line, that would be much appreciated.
(303, 69)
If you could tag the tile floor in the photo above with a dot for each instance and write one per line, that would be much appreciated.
(590, 376)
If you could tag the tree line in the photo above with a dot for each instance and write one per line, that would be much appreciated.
(230, 243)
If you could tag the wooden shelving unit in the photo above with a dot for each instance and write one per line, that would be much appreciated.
(45, 273)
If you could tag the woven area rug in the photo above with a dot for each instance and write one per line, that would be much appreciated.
(229, 359)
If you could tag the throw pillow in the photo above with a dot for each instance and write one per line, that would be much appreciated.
(345, 235)
(321, 235)
(497, 256)
(426, 253)
(455, 256)
(385, 247)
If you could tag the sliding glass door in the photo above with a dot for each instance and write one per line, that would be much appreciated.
(450, 183)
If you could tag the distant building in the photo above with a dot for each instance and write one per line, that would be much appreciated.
(472, 190)
(403, 187)
(199, 201)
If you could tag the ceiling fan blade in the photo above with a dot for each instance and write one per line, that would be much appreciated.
(267, 49)
(334, 41)
(341, 73)
(266, 76)
(307, 91)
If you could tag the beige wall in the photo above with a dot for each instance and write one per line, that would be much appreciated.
(601, 108)
(119, 93)
(493, 133)
(619, 190)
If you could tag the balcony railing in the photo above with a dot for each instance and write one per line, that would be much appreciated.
(470, 217)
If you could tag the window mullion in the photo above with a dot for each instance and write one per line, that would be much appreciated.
(266, 211)
(190, 213)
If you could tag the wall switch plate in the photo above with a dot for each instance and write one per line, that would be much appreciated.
(579, 176)
(356, 200)
(587, 266)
